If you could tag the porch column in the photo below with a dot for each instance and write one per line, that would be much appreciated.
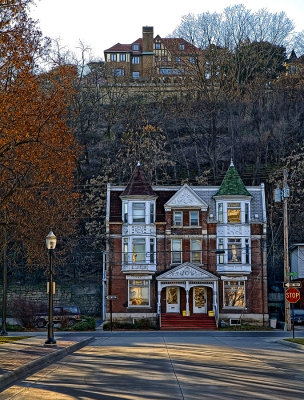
(187, 298)
(159, 288)
(215, 304)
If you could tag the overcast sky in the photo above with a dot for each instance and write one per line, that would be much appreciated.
(100, 24)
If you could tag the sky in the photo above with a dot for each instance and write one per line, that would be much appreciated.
(99, 24)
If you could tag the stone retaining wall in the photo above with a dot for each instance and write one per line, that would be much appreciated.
(87, 297)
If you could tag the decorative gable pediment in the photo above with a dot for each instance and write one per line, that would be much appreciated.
(187, 271)
(186, 198)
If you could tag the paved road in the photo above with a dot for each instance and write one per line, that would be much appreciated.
(170, 365)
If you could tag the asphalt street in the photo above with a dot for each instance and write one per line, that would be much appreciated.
(152, 365)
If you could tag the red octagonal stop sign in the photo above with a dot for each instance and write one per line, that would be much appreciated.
(292, 295)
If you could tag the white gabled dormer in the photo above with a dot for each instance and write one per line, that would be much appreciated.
(186, 198)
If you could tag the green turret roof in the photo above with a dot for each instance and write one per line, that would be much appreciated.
(232, 184)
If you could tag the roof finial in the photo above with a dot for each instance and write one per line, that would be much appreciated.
(231, 163)
(138, 163)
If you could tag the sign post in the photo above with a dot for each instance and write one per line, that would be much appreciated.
(111, 297)
(292, 295)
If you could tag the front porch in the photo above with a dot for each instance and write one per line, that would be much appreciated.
(186, 295)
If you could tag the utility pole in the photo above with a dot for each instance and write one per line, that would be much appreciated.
(286, 194)
(283, 195)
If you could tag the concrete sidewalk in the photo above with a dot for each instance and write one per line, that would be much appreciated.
(24, 357)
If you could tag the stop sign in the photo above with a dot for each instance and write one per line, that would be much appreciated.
(292, 295)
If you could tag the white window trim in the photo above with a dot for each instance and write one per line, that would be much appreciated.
(198, 218)
(142, 278)
(236, 279)
(225, 211)
(181, 251)
(130, 211)
(200, 251)
(182, 218)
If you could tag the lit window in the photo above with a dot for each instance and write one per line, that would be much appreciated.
(139, 293)
(194, 218)
(113, 56)
(234, 213)
(138, 250)
(195, 250)
(178, 218)
(122, 57)
(135, 60)
(234, 294)
(234, 250)
(138, 212)
(176, 251)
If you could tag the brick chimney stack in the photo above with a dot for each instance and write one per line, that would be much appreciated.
(147, 34)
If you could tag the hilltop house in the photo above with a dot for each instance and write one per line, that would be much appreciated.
(187, 256)
(151, 58)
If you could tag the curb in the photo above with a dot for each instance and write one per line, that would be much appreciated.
(9, 378)
(291, 344)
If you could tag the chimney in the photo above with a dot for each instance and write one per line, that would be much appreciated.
(147, 39)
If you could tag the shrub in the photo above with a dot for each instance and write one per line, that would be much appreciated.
(87, 324)
(24, 310)
(144, 323)
(118, 325)
(13, 328)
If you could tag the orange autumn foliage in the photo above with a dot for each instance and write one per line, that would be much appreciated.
(38, 151)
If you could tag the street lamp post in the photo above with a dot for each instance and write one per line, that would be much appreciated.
(50, 244)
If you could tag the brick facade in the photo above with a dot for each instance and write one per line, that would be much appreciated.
(144, 268)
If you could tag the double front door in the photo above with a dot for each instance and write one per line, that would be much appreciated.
(199, 300)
